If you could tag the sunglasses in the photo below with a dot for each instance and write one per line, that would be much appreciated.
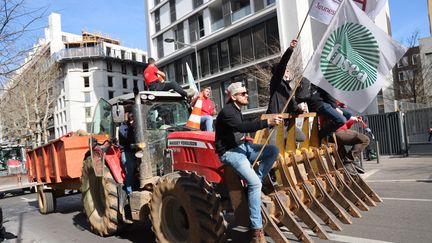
(242, 93)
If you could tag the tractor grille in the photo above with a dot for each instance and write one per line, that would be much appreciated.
(190, 155)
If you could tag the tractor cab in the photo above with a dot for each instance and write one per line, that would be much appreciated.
(156, 113)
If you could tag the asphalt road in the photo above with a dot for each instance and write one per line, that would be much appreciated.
(405, 184)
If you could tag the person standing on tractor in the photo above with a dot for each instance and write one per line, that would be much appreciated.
(155, 80)
(234, 150)
(126, 142)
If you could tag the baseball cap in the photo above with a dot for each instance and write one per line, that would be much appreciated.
(235, 88)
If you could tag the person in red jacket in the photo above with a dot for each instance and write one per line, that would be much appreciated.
(358, 141)
(155, 80)
(207, 109)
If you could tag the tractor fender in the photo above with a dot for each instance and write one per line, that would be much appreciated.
(112, 160)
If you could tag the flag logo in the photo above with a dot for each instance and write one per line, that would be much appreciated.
(350, 58)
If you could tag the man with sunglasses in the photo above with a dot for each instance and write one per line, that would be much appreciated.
(234, 150)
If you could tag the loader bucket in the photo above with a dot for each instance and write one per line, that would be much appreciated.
(310, 179)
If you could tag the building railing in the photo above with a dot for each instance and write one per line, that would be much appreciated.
(218, 24)
(241, 13)
(97, 51)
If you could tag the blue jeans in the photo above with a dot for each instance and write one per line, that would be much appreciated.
(240, 159)
(336, 120)
(207, 123)
(128, 160)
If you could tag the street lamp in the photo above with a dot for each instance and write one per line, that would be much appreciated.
(169, 40)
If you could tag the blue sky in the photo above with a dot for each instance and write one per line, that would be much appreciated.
(125, 19)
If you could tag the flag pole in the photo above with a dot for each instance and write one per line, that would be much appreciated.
(304, 20)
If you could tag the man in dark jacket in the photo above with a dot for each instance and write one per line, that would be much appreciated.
(235, 151)
(126, 142)
(280, 90)
(323, 103)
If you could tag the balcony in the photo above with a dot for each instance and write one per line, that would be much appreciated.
(240, 13)
(97, 51)
(218, 24)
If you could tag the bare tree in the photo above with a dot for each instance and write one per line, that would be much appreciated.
(16, 22)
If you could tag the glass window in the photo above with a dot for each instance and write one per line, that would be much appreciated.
(403, 62)
(193, 29)
(133, 56)
(224, 55)
(110, 94)
(216, 96)
(108, 51)
(85, 66)
(102, 120)
(204, 61)
(109, 66)
(173, 10)
(197, 3)
(178, 71)
(234, 50)
(88, 127)
(135, 83)
(214, 64)
(201, 26)
(179, 35)
(272, 36)
(110, 81)
(134, 71)
(87, 97)
(414, 59)
(160, 50)
(86, 82)
(246, 46)
(88, 112)
(164, 115)
(259, 41)
(123, 69)
(253, 93)
(401, 76)
(123, 54)
(124, 83)
(157, 20)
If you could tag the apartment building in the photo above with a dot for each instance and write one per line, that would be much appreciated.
(222, 39)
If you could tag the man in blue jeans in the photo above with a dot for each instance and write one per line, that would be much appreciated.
(235, 151)
(127, 157)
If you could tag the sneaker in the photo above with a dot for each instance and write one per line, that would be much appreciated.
(258, 236)
(358, 166)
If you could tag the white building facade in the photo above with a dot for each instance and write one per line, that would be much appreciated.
(93, 66)
(231, 36)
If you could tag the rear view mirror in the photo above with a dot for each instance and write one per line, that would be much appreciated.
(118, 113)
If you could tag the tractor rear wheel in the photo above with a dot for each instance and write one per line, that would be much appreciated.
(185, 208)
(100, 200)
(46, 200)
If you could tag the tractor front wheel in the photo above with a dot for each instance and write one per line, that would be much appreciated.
(100, 200)
(185, 208)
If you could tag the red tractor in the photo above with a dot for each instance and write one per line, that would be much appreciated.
(186, 192)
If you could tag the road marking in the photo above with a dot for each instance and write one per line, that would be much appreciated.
(369, 173)
(28, 199)
(346, 238)
(402, 180)
(407, 199)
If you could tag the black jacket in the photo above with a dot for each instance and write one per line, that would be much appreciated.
(280, 90)
(230, 128)
(317, 97)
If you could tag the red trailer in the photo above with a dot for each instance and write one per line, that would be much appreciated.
(56, 168)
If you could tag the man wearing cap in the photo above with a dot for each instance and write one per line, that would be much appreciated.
(235, 151)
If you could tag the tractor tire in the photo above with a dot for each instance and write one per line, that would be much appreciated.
(185, 208)
(100, 200)
(46, 200)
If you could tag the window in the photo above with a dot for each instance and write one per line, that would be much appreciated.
(135, 84)
(259, 41)
(401, 76)
(156, 2)
(133, 56)
(110, 94)
(246, 46)
(123, 54)
(87, 97)
(85, 67)
(134, 71)
(196, 27)
(403, 62)
(144, 58)
(204, 61)
(160, 50)
(414, 59)
(86, 82)
(179, 35)
(234, 50)
(125, 83)
(89, 126)
(272, 36)
(108, 51)
(214, 64)
(172, 10)
(109, 66)
(123, 69)
(224, 55)
(88, 112)
(157, 20)
(110, 81)
(178, 71)
(197, 3)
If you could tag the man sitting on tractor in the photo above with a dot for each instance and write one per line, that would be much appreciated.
(234, 150)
